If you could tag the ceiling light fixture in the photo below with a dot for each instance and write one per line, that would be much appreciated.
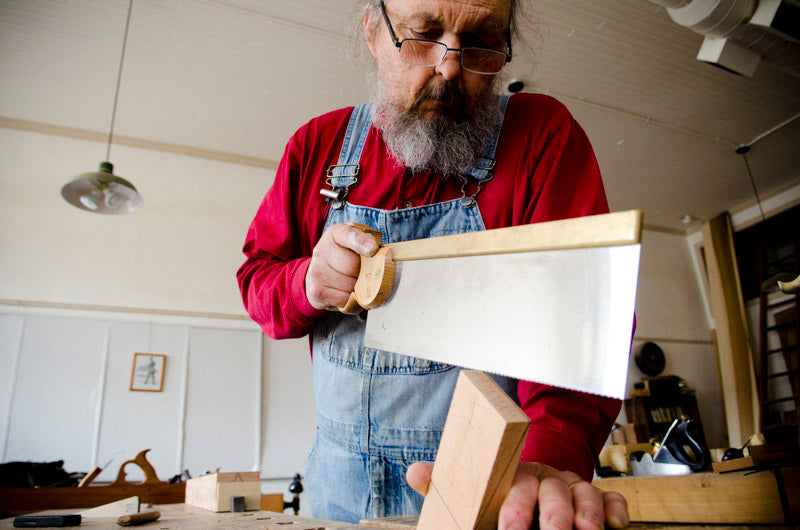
(101, 191)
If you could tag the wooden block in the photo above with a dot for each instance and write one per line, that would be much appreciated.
(713, 498)
(272, 502)
(735, 464)
(630, 433)
(242, 476)
(477, 457)
(214, 491)
(618, 456)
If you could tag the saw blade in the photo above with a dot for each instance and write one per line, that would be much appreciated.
(559, 317)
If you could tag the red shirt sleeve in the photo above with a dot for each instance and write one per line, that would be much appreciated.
(284, 230)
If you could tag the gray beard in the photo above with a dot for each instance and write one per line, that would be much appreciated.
(440, 144)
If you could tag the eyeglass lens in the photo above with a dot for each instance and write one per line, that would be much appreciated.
(430, 53)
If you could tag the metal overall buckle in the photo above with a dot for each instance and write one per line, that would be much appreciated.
(468, 201)
(337, 194)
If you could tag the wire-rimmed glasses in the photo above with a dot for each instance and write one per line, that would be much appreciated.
(422, 52)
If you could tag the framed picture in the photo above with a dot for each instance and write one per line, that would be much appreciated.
(148, 372)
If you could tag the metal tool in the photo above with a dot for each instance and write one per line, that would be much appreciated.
(681, 452)
(683, 445)
(549, 302)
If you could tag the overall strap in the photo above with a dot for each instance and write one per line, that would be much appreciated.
(344, 174)
(482, 170)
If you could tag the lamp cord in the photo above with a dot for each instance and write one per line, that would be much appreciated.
(119, 79)
(753, 183)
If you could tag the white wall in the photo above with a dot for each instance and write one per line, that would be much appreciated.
(670, 312)
(230, 399)
(180, 252)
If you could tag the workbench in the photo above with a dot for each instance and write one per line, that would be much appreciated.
(184, 517)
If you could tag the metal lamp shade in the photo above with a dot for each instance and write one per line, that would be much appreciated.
(102, 192)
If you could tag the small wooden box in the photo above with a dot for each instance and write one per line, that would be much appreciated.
(214, 491)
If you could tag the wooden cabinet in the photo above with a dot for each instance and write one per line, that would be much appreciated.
(661, 400)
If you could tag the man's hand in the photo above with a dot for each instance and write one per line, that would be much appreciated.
(563, 498)
(334, 265)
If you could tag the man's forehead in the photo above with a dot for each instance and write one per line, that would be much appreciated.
(470, 14)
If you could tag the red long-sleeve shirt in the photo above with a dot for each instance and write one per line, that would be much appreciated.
(545, 170)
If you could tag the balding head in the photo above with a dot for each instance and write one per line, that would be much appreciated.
(372, 12)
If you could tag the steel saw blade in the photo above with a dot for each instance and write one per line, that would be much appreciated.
(560, 317)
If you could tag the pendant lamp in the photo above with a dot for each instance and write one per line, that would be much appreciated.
(101, 191)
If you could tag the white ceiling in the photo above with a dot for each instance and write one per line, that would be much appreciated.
(235, 78)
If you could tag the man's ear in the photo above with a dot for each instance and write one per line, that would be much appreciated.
(370, 29)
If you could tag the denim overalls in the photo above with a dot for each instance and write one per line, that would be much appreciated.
(379, 411)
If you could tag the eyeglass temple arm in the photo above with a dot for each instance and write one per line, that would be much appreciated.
(508, 38)
(397, 43)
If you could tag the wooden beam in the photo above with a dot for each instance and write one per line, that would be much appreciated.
(477, 457)
(737, 374)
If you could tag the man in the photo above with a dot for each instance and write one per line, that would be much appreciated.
(437, 153)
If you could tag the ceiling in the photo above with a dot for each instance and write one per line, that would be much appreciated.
(233, 79)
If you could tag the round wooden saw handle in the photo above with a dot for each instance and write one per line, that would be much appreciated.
(375, 277)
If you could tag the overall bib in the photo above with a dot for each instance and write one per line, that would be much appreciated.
(378, 411)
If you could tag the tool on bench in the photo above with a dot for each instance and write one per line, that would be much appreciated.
(549, 302)
(681, 452)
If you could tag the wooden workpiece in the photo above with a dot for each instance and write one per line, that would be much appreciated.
(477, 457)
(710, 498)
(214, 491)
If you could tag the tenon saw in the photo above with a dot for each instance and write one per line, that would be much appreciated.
(548, 302)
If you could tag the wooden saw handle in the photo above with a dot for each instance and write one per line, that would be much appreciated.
(375, 277)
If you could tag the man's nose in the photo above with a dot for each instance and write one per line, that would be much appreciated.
(450, 67)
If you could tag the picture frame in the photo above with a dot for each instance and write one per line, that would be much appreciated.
(147, 374)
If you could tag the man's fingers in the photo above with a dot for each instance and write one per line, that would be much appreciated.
(335, 263)
(327, 287)
(518, 508)
(555, 505)
(353, 238)
(616, 509)
(418, 476)
(589, 509)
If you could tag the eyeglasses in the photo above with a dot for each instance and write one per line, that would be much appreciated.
(421, 52)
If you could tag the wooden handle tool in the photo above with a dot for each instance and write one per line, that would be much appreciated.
(374, 279)
(136, 519)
